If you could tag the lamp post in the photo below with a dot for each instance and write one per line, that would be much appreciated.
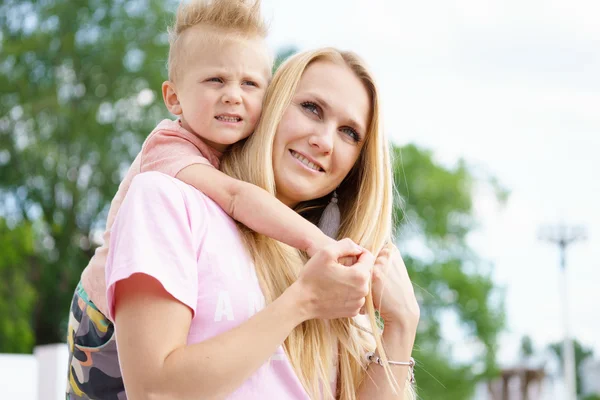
(563, 236)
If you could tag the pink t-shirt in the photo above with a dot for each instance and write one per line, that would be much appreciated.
(168, 149)
(174, 233)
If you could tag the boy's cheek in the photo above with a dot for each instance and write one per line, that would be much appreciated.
(257, 110)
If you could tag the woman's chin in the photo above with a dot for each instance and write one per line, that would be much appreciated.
(295, 193)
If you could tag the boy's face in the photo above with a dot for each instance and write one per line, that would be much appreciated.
(220, 88)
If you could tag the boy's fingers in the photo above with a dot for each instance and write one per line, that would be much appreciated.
(364, 265)
(367, 259)
(345, 247)
(348, 261)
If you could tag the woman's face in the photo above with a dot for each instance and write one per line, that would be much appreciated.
(321, 133)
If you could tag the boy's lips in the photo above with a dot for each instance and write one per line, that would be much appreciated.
(226, 117)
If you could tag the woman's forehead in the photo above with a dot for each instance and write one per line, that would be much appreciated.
(339, 90)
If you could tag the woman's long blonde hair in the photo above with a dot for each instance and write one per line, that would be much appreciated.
(365, 200)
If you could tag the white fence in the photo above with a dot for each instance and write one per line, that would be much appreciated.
(38, 376)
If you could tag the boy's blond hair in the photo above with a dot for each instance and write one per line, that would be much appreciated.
(222, 18)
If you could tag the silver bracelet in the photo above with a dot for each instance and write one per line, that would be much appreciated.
(372, 358)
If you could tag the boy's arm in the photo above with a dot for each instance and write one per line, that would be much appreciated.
(255, 208)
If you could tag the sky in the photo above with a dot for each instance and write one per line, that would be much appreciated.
(513, 88)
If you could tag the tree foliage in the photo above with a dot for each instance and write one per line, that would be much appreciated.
(17, 295)
(436, 214)
(80, 85)
(592, 397)
(527, 349)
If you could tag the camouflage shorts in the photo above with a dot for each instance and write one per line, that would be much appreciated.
(94, 371)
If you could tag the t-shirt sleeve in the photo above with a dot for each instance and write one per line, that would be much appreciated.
(152, 235)
(169, 152)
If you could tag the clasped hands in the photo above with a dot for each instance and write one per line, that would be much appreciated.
(338, 278)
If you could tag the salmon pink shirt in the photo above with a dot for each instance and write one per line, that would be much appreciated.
(168, 149)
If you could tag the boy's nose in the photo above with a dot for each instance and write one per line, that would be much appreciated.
(232, 96)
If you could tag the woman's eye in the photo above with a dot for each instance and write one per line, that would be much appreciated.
(311, 107)
(352, 133)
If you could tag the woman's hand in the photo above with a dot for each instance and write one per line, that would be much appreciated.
(394, 297)
(330, 290)
(393, 293)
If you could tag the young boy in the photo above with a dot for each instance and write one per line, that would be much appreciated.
(219, 68)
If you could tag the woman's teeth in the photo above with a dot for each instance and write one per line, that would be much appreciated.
(228, 119)
(305, 161)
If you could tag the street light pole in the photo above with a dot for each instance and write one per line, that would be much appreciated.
(564, 236)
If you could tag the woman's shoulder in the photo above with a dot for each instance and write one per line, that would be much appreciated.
(153, 181)
(156, 184)
(162, 190)
(155, 190)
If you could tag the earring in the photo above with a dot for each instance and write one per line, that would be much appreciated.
(330, 219)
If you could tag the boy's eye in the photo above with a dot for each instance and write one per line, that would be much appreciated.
(311, 107)
(251, 83)
(215, 79)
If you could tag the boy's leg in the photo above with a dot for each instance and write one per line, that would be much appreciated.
(94, 371)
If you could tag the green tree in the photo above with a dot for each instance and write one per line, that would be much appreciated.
(79, 89)
(282, 55)
(582, 353)
(17, 295)
(526, 347)
(592, 397)
(450, 279)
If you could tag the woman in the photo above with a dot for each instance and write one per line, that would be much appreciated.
(184, 284)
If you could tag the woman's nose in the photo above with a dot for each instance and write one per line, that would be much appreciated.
(322, 138)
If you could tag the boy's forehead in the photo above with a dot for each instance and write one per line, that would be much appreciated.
(231, 51)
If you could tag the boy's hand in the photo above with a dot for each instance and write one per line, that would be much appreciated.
(347, 261)
(322, 243)
(325, 242)
(331, 290)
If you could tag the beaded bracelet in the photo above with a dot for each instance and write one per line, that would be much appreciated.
(372, 358)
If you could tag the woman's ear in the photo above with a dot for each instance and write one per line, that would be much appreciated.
(170, 98)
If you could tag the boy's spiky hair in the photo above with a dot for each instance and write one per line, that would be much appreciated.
(224, 17)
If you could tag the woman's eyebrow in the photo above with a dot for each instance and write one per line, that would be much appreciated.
(323, 103)
(354, 124)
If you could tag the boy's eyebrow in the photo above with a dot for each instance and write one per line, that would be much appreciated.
(323, 103)
(258, 77)
(225, 72)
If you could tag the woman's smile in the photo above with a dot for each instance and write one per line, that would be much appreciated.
(306, 163)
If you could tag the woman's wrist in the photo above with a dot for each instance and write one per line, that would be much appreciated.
(400, 333)
(295, 300)
(406, 321)
(398, 343)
